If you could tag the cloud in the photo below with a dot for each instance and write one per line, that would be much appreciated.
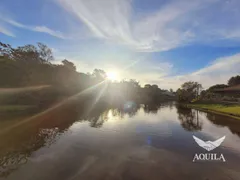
(147, 72)
(42, 29)
(218, 72)
(104, 22)
(46, 30)
(177, 23)
(6, 31)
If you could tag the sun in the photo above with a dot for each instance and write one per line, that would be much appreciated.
(112, 75)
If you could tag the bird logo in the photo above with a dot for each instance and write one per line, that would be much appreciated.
(209, 145)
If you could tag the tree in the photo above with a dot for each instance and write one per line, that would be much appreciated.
(45, 52)
(235, 80)
(69, 65)
(151, 93)
(154, 86)
(31, 65)
(191, 86)
(5, 50)
(147, 86)
(182, 95)
(217, 86)
(99, 74)
(189, 90)
(203, 93)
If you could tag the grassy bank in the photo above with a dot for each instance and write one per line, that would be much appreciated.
(230, 110)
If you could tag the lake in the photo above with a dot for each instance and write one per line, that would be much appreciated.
(132, 142)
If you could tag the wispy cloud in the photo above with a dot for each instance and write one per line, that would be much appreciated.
(218, 72)
(42, 29)
(46, 30)
(6, 31)
(175, 24)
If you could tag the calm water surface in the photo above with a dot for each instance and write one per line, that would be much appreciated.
(152, 142)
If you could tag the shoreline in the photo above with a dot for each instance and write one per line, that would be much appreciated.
(207, 108)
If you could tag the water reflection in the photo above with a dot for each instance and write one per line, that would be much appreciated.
(102, 114)
(46, 129)
(11, 159)
(231, 124)
(151, 108)
(18, 144)
(189, 118)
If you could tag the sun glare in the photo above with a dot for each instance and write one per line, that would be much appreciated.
(112, 76)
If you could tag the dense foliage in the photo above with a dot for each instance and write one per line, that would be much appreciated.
(193, 91)
(30, 66)
(234, 81)
(189, 90)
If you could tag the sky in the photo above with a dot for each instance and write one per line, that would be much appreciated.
(163, 42)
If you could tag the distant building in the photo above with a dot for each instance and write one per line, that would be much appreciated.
(233, 91)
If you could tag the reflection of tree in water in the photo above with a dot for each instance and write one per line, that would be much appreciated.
(129, 108)
(19, 143)
(151, 108)
(93, 116)
(100, 115)
(171, 105)
(117, 113)
(11, 160)
(189, 118)
(97, 121)
(224, 121)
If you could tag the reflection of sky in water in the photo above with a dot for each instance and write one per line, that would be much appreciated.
(232, 141)
(159, 130)
(126, 138)
(149, 140)
(128, 106)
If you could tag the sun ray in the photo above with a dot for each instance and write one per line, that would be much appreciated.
(44, 113)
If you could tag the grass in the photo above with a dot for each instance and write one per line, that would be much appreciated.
(233, 110)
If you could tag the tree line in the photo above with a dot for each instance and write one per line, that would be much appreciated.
(193, 91)
(32, 65)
